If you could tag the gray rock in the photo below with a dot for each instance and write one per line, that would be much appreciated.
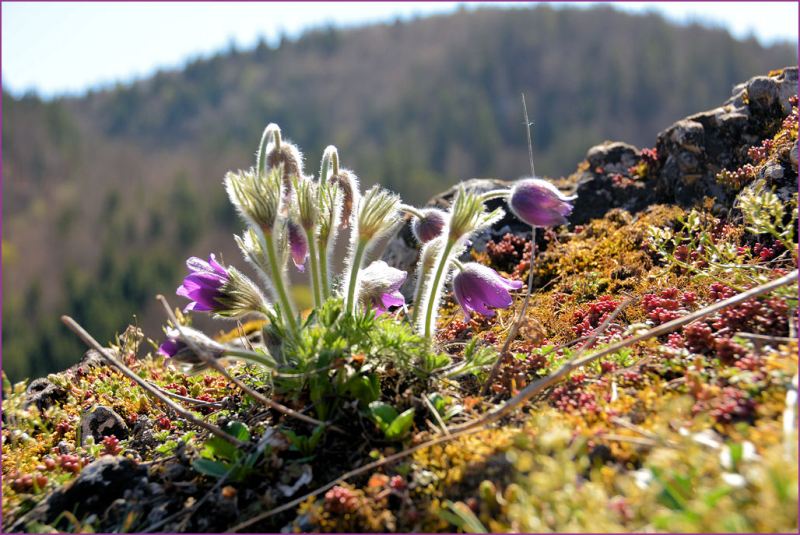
(100, 422)
(763, 94)
(686, 134)
(43, 394)
(597, 193)
(772, 172)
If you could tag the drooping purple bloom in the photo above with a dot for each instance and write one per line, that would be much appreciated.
(380, 286)
(203, 284)
(430, 226)
(538, 203)
(477, 287)
(170, 347)
(298, 245)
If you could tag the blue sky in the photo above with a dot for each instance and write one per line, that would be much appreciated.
(57, 48)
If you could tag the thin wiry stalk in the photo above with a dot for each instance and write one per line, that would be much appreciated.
(512, 334)
(354, 268)
(314, 261)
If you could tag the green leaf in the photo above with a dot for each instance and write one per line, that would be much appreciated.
(238, 430)
(365, 388)
(210, 468)
(438, 402)
(219, 448)
(461, 516)
(400, 425)
(382, 414)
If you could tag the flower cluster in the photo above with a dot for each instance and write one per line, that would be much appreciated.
(289, 215)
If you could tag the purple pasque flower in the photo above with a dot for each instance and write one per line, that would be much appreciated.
(477, 287)
(380, 286)
(298, 245)
(539, 203)
(171, 347)
(430, 226)
(203, 285)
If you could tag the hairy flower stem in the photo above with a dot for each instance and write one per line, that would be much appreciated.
(520, 318)
(434, 289)
(494, 194)
(325, 285)
(411, 210)
(278, 281)
(315, 274)
(271, 133)
(355, 267)
(251, 356)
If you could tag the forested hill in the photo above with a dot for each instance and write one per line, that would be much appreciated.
(106, 194)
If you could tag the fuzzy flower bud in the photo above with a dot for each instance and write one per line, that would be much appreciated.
(298, 245)
(376, 213)
(347, 182)
(380, 286)
(538, 203)
(279, 155)
(477, 287)
(430, 226)
(257, 199)
(468, 214)
(306, 209)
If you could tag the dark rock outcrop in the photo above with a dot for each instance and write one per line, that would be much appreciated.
(97, 486)
(690, 154)
(43, 394)
(682, 168)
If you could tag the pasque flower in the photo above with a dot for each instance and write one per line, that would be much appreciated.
(380, 286)
(538, 203)
(477, 287)
(430, 225)
(224, 291)
(298, 245)
(203, 284)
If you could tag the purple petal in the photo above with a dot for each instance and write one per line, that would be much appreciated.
(169, 347)
(198, 264)
(539, 203)
(204, 280)
(430, 226)
(478, 287)
(393, 299)
(212, 260)
(298, 245)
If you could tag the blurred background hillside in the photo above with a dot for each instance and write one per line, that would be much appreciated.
(105, 194)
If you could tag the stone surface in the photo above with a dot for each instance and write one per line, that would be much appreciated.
(100, 422)
(43, 394)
